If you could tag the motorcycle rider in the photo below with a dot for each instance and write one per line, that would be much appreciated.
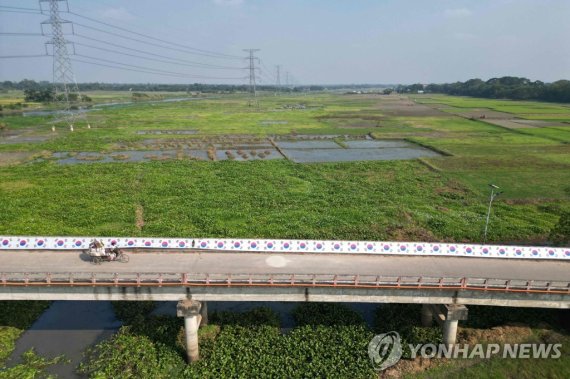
(114, 253)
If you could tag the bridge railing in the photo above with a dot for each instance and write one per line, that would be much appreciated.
(102, 279)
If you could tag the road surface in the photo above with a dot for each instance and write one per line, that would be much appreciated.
(265, 263)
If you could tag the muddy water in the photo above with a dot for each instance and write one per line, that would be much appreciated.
(68, 327)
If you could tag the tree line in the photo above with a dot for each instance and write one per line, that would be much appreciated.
(45, 86)
(507, 87)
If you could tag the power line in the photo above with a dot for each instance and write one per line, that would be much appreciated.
(200, 64)
(23, 56)
(134, 39)
(22, 12)
(267, 71)
(278, 79)
(147, 58)
(20, 34)
(124, 68)
(194, 50)
(152, 69)
(127, 69)
(20, 8)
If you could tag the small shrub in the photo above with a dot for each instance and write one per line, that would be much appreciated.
(129, 356)
(560, 234)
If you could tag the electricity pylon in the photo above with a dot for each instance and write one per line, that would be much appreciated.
(64, 82)
(252, 89)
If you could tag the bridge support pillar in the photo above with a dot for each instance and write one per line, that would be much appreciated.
(427, 315)
(450, 332)
(204, 313)
(190, 310)
(448, 317)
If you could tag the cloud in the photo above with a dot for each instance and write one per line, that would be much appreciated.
(117, 14)
(232, 3)
(457, 13)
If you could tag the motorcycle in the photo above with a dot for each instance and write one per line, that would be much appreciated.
(99, 253)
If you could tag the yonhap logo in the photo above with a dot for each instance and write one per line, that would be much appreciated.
(385, 350)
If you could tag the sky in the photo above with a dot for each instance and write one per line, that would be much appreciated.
(315, 41)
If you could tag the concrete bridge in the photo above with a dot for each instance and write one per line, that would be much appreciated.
(444, 285)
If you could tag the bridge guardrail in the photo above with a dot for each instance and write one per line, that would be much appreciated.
(82, 279)
(293, 246)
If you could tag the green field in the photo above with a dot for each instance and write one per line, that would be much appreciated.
(440, 199)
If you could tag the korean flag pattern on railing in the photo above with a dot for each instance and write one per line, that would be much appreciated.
(292, 246)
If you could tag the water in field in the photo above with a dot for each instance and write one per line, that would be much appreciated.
(65, 158)
(299, 151)
(167, 132)
(309, 145)
(376, 144)
(247, 155)
(363, 150)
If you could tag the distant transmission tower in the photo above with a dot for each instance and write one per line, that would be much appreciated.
(252, 90)
(63, 79)
(278, 79)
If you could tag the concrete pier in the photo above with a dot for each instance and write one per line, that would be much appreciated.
(204, 313)
(447, 316)
(450, 332)
(190, 310)
(427, 315)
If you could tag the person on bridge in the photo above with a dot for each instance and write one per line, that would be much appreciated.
(114, 252)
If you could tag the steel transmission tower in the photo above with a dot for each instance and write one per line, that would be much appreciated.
(63, 79)
(252, 89)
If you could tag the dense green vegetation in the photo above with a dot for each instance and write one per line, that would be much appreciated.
(507, 87)
(329, 340)
(371, 201)
(441, 198)
(240, 345)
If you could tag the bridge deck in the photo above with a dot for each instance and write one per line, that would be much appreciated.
(263, 263)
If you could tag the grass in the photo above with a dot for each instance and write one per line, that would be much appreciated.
(400, 200)
(508, 106)
(273, 199)
(506, 368)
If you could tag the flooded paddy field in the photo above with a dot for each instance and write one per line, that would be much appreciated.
(296, 151)
(127, 156)
(28, 135)
(325, 151)
(167, 132)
